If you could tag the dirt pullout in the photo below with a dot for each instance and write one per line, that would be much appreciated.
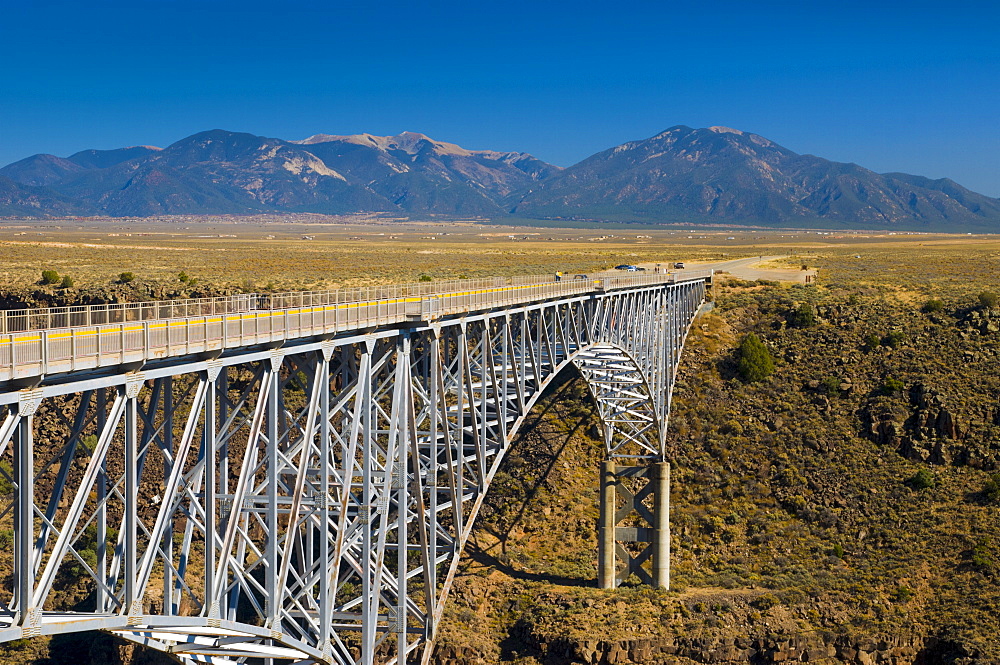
(764, 267)
(756, 267)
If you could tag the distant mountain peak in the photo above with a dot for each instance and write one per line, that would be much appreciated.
(409, 142)
(41, 170)
(101, 159)
(670, 132)
(723, 174)
(718, 129)
(712, 174)
(225, 172)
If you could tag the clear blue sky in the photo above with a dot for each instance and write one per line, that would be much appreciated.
(909, 86)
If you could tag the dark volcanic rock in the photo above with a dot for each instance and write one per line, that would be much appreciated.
(813, 647)
(928, 432)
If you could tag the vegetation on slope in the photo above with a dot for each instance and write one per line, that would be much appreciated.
(845, 502)
(842, 505)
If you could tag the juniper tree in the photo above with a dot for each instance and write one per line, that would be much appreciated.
(755, 361)
(803, 316)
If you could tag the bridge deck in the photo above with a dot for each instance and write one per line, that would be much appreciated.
(54, 341)
(292, 477)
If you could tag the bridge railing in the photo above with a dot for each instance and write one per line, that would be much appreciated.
(47, 318)
(250, 319)
(20, 320)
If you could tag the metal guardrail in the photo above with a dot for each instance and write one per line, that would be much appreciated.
(72, 338)
(20, 320)
(46, 318)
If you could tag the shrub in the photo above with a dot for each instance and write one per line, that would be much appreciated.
(837, 550)
(922, 480)
(983, 556)
(830, 385)
(183, 277)
(902, 594)
(890, 387)
(88, 444)
(991, 489)
(765, 602)
(50, 277)
(66, 283)
(989, 300)
(933, 306)
(6, 478)
(894, 339)
(872, 342)
(755, 362)
(86, 546)
(803, 316)
(426, 278)
(126, 277)
(732, 426)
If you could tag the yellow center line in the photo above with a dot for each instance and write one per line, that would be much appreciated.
(103, 329)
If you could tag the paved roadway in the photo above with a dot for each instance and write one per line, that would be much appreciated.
(749, 268)
(53, 346)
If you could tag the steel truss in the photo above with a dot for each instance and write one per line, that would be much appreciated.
(307, 503)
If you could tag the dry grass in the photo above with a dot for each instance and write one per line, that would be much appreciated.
(282, 257)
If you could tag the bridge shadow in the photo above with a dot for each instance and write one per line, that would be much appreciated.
(482, 556)
(96, 648)
(530, 468)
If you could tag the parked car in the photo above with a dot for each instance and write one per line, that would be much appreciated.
(628, 268)
(679, 265)
(580, 277)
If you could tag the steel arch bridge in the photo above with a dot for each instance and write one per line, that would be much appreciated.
(291, 478)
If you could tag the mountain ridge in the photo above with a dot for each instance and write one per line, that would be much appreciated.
(719, 174)
(710, 175)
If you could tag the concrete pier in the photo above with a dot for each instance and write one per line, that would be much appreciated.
(661, 531)
(607, 568)
(652, 525)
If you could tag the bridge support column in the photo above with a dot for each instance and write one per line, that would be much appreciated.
(661, 531)
(607, 569)
(645, 494)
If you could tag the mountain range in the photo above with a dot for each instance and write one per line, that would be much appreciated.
(715, 174)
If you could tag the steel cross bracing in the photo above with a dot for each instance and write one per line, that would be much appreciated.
(309, 502)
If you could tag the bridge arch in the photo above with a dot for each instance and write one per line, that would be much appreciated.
(306, 500)
(629, 419)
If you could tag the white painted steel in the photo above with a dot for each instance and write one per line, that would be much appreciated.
(78, 338)
(296, 484)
